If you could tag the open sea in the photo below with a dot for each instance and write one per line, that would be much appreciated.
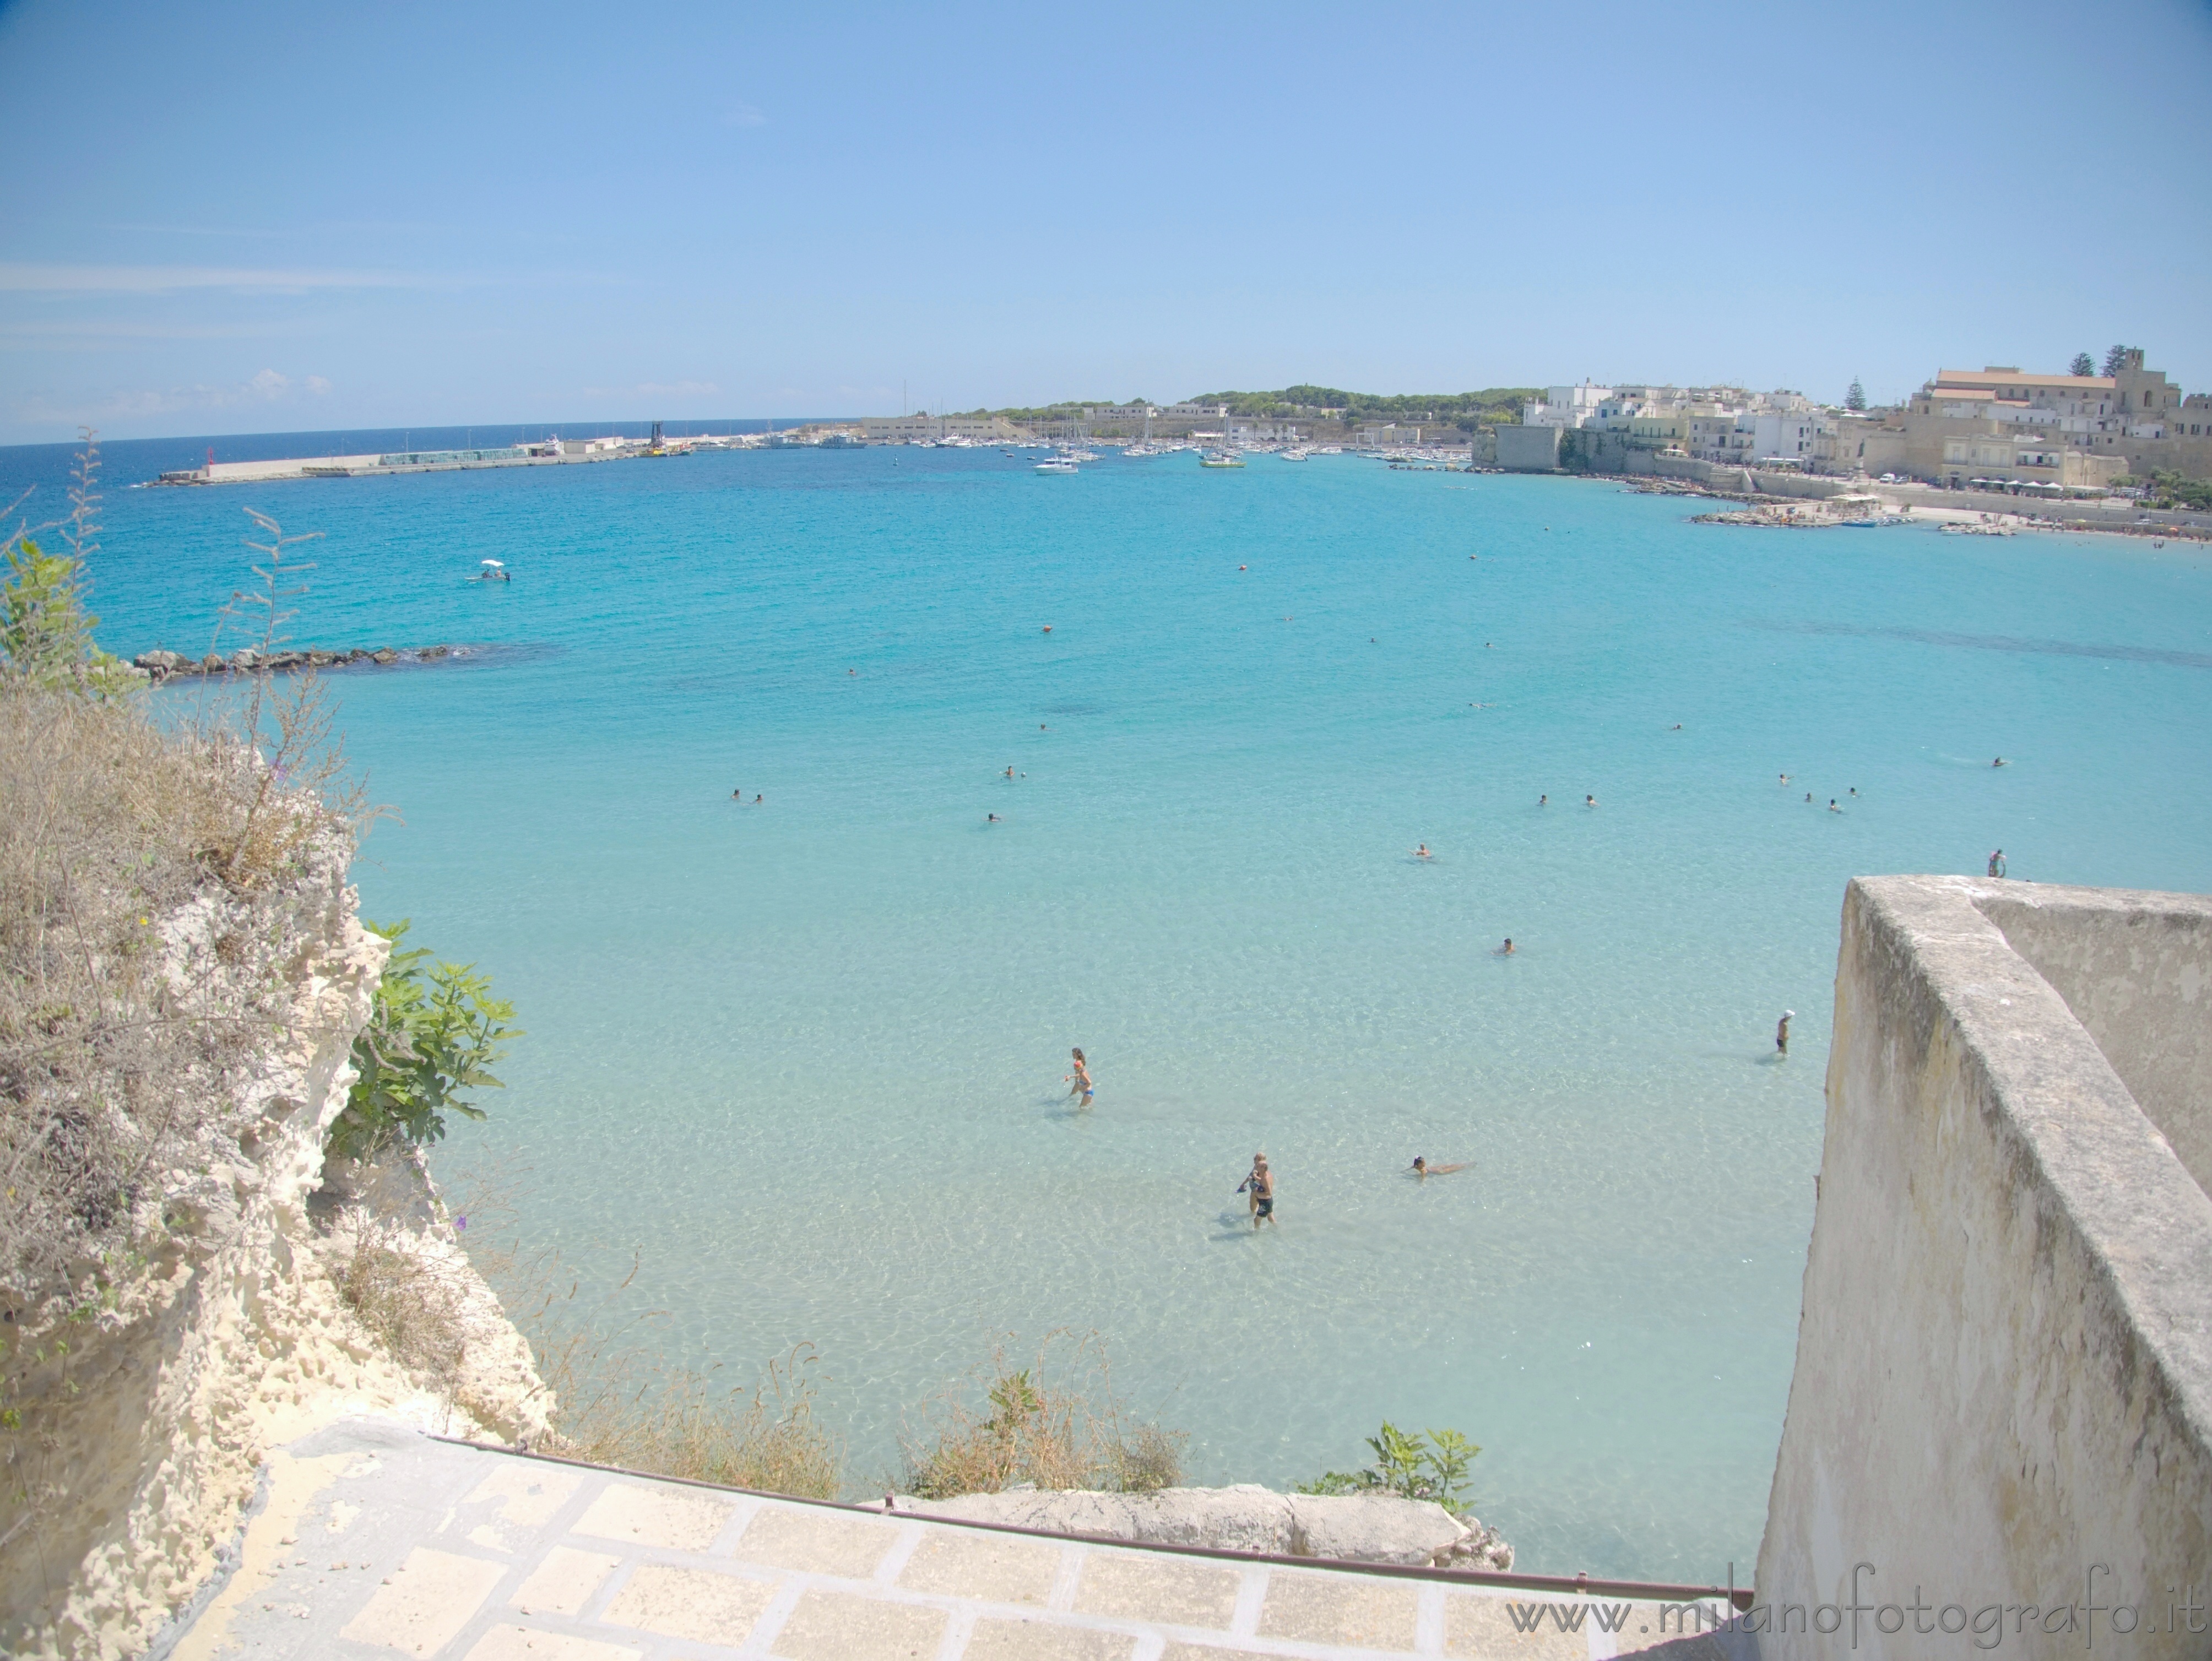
(806, 1059)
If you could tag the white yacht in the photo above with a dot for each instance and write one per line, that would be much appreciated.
(1220, 459)
(1058, 464)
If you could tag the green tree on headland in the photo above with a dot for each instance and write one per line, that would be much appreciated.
(1856, 398)
(2117, 359)
(434, 1034)
(2083, 365)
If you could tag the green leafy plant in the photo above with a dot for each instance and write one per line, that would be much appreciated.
(434, 1034)
(46, 634)
(1412, 1464)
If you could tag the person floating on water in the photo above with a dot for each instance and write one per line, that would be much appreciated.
(1833, 808)
(1423, 1169)
(1782, 1032)
(738, 794)
(1854, 790)
(1998, 863)
(990, 818)
(1784, 777)
(1261, 1185)
(2000, 762)
(1422, 852)
(1589, 801)
(1506, 950)
(1080, 1080)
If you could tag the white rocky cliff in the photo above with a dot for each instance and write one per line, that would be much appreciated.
(140, 1422)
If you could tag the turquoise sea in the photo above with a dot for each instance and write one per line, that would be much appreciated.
(806, 1057)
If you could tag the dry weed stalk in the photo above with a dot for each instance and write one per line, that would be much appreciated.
(1056, 1423)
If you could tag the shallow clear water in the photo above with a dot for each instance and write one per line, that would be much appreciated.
(806, 1057)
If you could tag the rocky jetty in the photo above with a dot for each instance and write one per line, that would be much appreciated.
(161, 665)
(1361, 1528)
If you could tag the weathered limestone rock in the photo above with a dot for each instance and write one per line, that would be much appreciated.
(1366, 1528)
(231, 1339)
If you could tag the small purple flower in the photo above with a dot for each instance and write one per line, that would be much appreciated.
(459, 1224)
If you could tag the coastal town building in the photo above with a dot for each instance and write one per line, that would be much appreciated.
(1566, 406)
(935, 429)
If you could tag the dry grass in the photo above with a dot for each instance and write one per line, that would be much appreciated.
(1055, 1423)
(119, 1031)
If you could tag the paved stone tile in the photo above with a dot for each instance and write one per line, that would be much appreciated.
(1649, 1625)
(521, 1644)
(839, 1625)
(1207, 1652)
(1484, 1628)
(997, 1568)
(432, 1596)
(675, 1519)
(1182, 1592)
(704, 1605)
(1040, 1640)
(529, 1493)
(1340, 1609)
(563, 1581)
(816, 1542)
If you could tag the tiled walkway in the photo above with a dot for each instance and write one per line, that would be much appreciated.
(375, 1542)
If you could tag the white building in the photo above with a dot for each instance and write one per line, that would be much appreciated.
(1243, 431)
(1784, 435)
(1566, 406)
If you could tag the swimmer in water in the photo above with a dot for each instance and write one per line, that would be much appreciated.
(1422, 852)
(1423, 1169)
(1999, 763)
(1782, 1032)
(1785, 777)
(1080, 1080)
(1854, 791)
(1009, 772)
(1543, 801)
(1678, 726)
(1809, 796)
(1833, 808)
(1589, 801)
(757, 800)
(738, 794)
(1506, 950)
(990, 818)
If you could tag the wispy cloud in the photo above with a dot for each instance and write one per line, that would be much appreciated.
(27, 279)
(742, 114)
(267, 386)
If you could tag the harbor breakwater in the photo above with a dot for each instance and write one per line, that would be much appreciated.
(162, 665)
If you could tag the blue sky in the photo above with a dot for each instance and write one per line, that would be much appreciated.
(234, 218)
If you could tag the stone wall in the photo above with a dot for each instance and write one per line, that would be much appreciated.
(2004, 1359)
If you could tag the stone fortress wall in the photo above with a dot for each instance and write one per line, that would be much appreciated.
(2004, 1361)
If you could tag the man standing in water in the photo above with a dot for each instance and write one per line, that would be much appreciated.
(1261, 1185)
(1782, 1032)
